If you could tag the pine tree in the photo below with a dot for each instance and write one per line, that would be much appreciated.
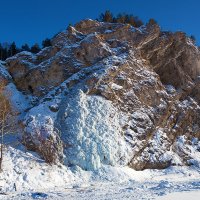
(1, 52)
(25, 47)
(192, 37)
(35, 48)
(46, 43)
(138, 22)
(152, 22)
(121, 18)
(106, 17)
(12, 49)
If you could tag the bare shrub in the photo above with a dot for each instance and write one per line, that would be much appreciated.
(46, 142)
(49, 150)
(7, 119)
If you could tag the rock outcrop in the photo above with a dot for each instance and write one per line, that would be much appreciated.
(114, 95)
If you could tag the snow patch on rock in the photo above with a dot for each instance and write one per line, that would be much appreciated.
(19, 101)
(3, 71)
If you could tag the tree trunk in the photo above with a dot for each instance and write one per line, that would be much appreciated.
(2, 134)
(1, 159)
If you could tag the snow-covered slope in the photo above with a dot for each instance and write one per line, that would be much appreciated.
(26, 176)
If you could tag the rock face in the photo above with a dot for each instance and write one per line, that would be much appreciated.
(114, 95)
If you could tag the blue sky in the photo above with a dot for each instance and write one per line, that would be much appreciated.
(30, 21)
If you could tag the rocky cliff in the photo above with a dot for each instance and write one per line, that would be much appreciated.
(110, 94)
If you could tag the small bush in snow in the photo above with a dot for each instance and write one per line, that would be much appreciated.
(7, 119)
(48, 149)
(43, 138)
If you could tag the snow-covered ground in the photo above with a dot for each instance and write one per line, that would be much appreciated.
(191, 195)
(34, 179)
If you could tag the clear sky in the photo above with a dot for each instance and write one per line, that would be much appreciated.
(30, 21)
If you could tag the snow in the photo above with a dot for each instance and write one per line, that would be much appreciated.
(108, 31)
(40, 121)
(191, 43)
(191, 150)
(192, 195)
(116, 87)
(89, 38)
(3, 70)
(170, 89)
(34, 179)
(19, 101)
(93, 132)
(28, 171)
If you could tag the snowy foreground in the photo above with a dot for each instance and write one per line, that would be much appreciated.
(36, 180)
